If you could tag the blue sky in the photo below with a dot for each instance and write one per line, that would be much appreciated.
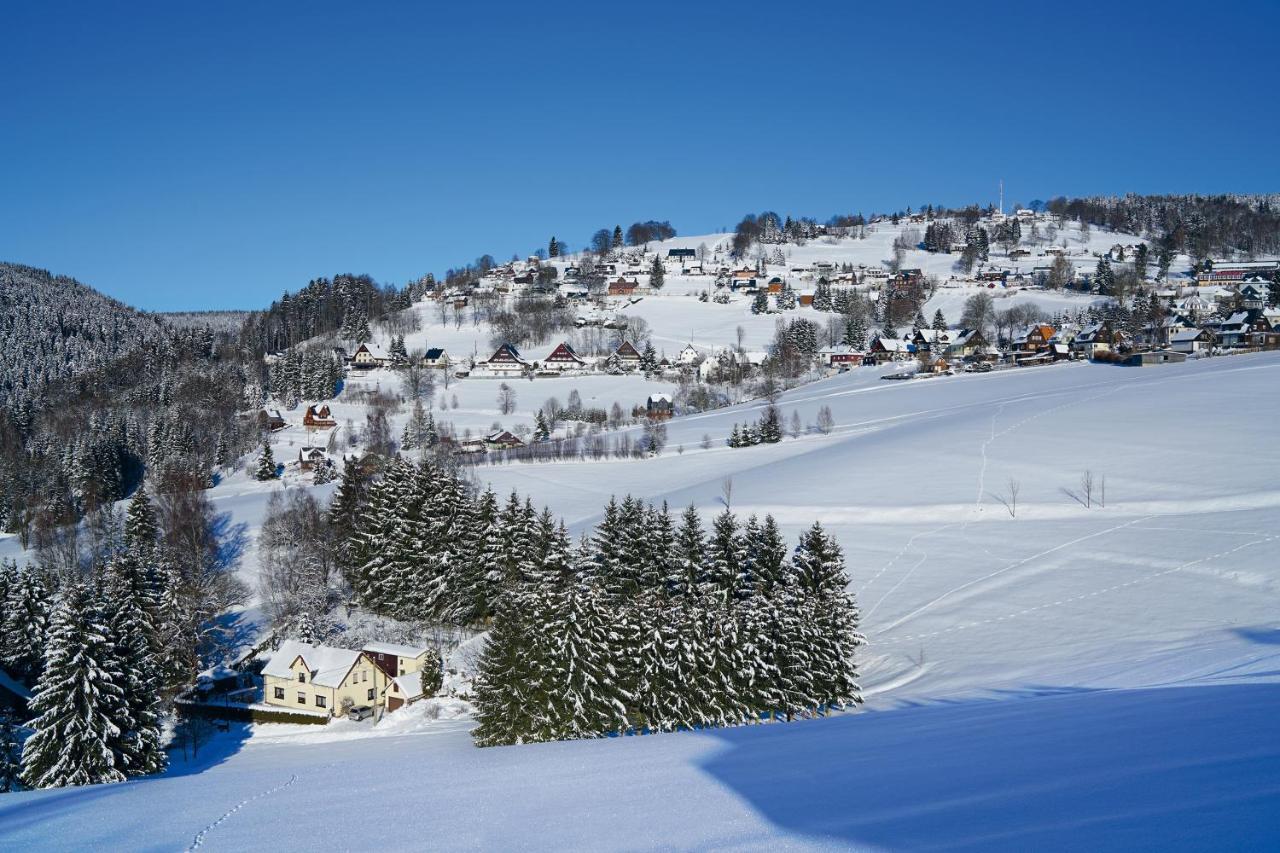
(185, 155)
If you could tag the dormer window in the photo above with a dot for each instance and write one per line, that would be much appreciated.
(302, 678)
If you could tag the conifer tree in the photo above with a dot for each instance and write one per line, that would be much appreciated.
(508, 711)
(690, 552)
(24, 621)
(266, 469)
(649, 360)
(588, 651)
(140, 522)
(221, 455)
(724, 557)
(133, 638)
(855, 333)
(73, 701)
(616, 242)
(659, 554)
(482, 582)
(553, 248)
(667, 664)
(540, 430)
(10, 752)
(939, 322)
(657, 273)
(818, 567)
(770, 426)
(1104, 278)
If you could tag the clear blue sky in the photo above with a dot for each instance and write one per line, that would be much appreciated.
(211, 155)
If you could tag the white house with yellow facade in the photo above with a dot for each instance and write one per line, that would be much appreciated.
(320, 678)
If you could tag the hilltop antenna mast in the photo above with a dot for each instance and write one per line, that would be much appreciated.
(1002, 196)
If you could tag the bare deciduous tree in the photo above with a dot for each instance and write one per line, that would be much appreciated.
(506, 399)
(1009, 498)
(826, 421)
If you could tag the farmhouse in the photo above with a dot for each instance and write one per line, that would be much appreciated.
(967, 343)
(1097, 339)
(506, 360)
(367, 357)
(502, 440)
(890, 349)
(300, 675)
(931, 339)
(563, 358)
(840, 357)
(272, 420)
(688, 356)
(318, 416)
(622, 287)
(310, 458)
(627, 355)
(435, 358)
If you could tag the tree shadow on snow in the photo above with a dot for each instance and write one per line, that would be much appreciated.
(1169, 769)
(25, 811)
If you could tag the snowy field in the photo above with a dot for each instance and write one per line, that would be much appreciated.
(1066, 678)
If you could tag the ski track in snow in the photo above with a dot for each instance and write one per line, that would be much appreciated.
(1081, 597)
(200, 836)
(1010, 567)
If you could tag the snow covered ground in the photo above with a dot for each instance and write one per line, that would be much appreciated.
(1066, 678)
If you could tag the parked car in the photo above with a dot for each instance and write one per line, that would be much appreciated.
(978, 367)
(360, 712)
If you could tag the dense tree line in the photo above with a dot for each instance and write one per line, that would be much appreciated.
(1201, 226)
(112, 392)
(653, 624)
(324, 306)
(105, 651)
(649, 623)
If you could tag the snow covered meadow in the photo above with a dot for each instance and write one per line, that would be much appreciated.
(1050, 676)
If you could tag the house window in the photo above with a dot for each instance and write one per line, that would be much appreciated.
(302, 698)
(302, 678)
(319, 701)
(279, 692)
(370, 694)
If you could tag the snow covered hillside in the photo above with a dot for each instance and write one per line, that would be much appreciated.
(1050, 676)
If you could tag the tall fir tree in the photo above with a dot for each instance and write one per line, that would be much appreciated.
(74, 701)
(657, 273)
(266, 469)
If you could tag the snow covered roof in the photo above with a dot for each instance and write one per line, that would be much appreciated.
(659, 398)
(328, 665)
(1184, 335)
(409, 685)
(894, 345)
(396, 649)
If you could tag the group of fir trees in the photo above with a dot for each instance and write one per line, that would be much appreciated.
(656, 625)
(304, 374)
(768, 430)
(425, 549)
(102, 656)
